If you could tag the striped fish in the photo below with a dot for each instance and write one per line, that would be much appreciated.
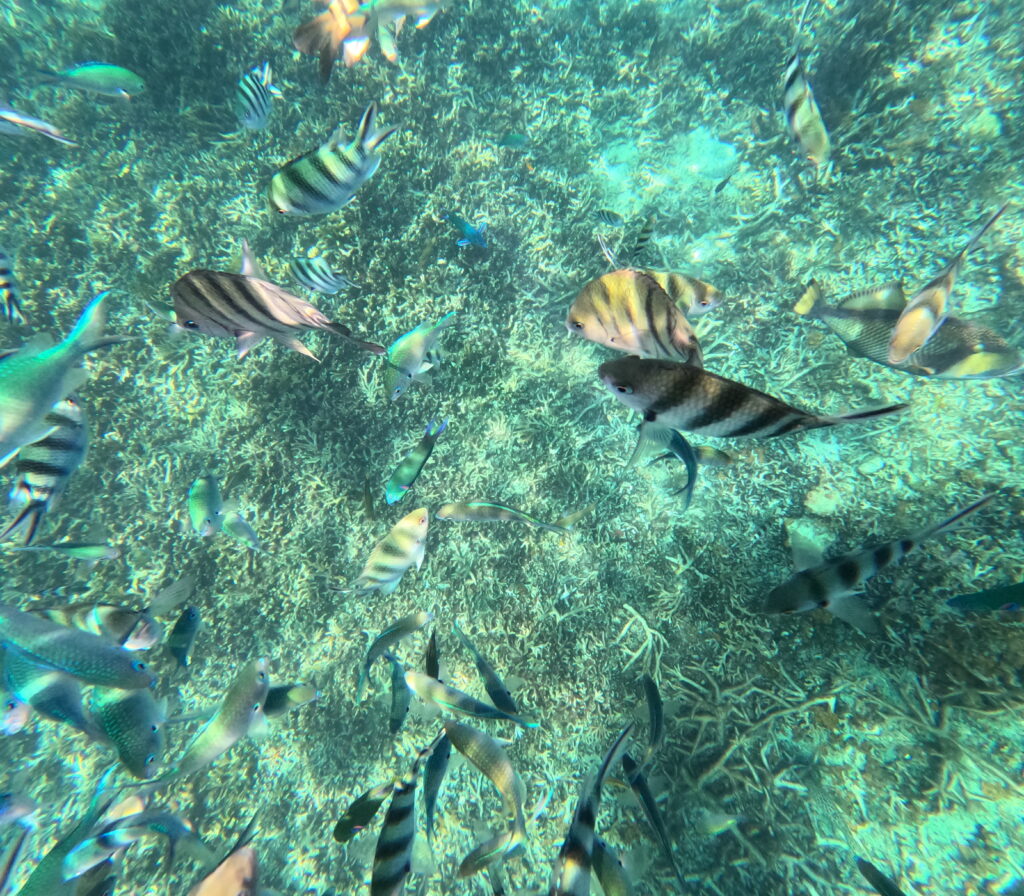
(687, 398)
(44, 468)
(433, 691)
(433, 777)
(926, 310)
(802, 113)
(493, 684)
(488, 512)
(316, 275)
(833, 585)
(638, 784)
(249, 308)
(410, 467)
(609, 217)
(326, 178)
(128, 628)
(254, 97)
(630, 311)
(400, 628)
(10, 292)
(361, 812)
(400, 695)
(959, 349)
(694, 296)
(609, 870)
(643, 238)
(576, 857)
(403, 547)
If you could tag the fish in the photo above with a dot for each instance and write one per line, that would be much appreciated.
(44, 468)
(512, 140)
(324, 34)
(926, 310)
(576, 856)
(432, 662)
(283, 698)
(471, 236)
(630, 311)
(834, 584)
(493, 684)
(9, 862)
(400, 695)
(82, 655)
(317, 275)
(410, 356)
(89, 551)
(16, 123)
(326, 179)
(235, 525)
(693, 296)
(651, 434)
(801, 109)
(404, 546)
(609, 870)
(382, 644)
(54, 695)
(489, 512)
(643, 237)
(182, 635)
(433, 691)
(609, 217)
(1007, 597)
(959, 349)
(236, 875)
(98, 77)
(361, 812)
(37, 376)
(656, 717)
(254, 97)
(124, 626)
(434, 771)
(711, 823)
(17, 808)
(14, 714)
(410, 467)
(687, 398)
(488, 756)
(249, 308)
(638, 784)
(133, 722)
(392, 858)
(205, 506)
(882, 885)
(10, 291)
(239, 714)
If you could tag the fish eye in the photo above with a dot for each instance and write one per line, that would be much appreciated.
(577, 324)
(150, 759)
(154, 729)
(624, 390)
(139, 666)
(262, 675)
(255, 707)
(190, 325)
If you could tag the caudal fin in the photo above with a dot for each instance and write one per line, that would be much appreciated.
(368, 137)
(956, 518)
(322, 36)
(857, 416)
(809, 300)
(87, 336)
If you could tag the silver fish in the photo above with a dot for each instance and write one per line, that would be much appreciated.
(493, 684)
(18, 124)
(254, 97)
(388, 638)
(54, 695)
(433, 777)
(433, 691)
(317, 275)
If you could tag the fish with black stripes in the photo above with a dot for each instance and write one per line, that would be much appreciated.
(318, 276)
(493, 684)
(361, 812)
(400, 695)
(254, 97)
(10, 292)
(638, 784)
(802, 113)
(455, 701)
(834, 585)
(403, 547)
(690, 399)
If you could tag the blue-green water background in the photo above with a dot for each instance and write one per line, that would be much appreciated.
(924, 106)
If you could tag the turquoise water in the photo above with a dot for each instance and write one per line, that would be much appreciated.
(820, 743)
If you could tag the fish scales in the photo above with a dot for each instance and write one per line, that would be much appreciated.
(133, 721)
(401, 548)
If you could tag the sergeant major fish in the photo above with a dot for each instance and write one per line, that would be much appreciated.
(10, 292)
(433, 691)
(802, 113)
(317, 275)
(254, 97)
(404, 546)
(124, 626)
(361, 812)
(182, 635)
(410, 467)
(410, 356)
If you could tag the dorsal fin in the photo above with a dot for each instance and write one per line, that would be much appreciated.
(250, 267)
(885, 295)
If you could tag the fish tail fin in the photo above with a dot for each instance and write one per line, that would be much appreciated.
(322, 36)
(810, 299)
(955, 520)
(31, 514)
(858, 416)
(433, 432)
(368, 138)
(981, 231)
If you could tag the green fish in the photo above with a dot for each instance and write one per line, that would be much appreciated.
(493, 684)
(90, 551)
(512, 140)
(412, 464)
(85, 656)
(361, 812)
(234, 525)
(240, 713)
(133, 721)
(412, 355)
(282, 698)
(452, 700)
(400, 628)
(38, 375)
(205, 506)
(54, 695)
(98, 77)
(400, 695)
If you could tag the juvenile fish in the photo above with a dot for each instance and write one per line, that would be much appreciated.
(410, 467)
(493, 684)
(361, 812)
(98, 77)
(205, 506)
(412, 355)
(433, 691)
(182, 635)
(927, 309)
(687, 398)
(404, 546)
(433, 777)
(133, 722)
(326, 178)
(10, 292)
(382, 644)
(54, 695)
(638, 784)
(317, 275)
(643, 238)
(488, 512)
(235, 526)
(17, 123)
(254, 97)
(283, 698)
(400, 695)
(470, 235)
(834, 584)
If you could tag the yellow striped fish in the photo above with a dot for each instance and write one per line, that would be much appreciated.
(403, 547)
(694, 296)
(802, 113)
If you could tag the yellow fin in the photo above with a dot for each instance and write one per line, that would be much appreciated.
(812, 294)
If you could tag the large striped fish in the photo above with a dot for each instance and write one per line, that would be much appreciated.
(44, 468)
(833, 585)
(926, 310)
(402, 547)
(326, 178)
(630, 311)
(685, 397)
(249, 308)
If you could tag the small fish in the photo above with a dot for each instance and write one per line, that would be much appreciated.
(89, 551)
(16, 808)
(183, 635)
(630, 311)
(694, 296)
(834, 584)
(486, 754)
(959, 349)
(471, 236)
(609, 218)
(392, 858)
(249, 308)
(404, 546)
(14, 714)
(409, 469)
(133, 721)
(10, 292)
(687, 398)
(656, 716)
(283, 698)
(318, 276)
(433, 691)
(326, 179)
(434, 772)
(205, 506)
(723, 183)
(493, 684)
(400, 628)
(432, 662)
(1008, 597)
(52, 694)
(234, 525)
(361, 812)
(653, 434)
(488, 512)
(802, 113)
(82, 655)
(124, 626)
(98, 77)
(37, 376)
(411, 356)
(638, 784)
(17, 123)
(927, 309)
(883, 885)
(512, 140)
(239, 714)
(609, 870)
(254, 97)
(400, 695)
(44, 468)
(643, 238)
